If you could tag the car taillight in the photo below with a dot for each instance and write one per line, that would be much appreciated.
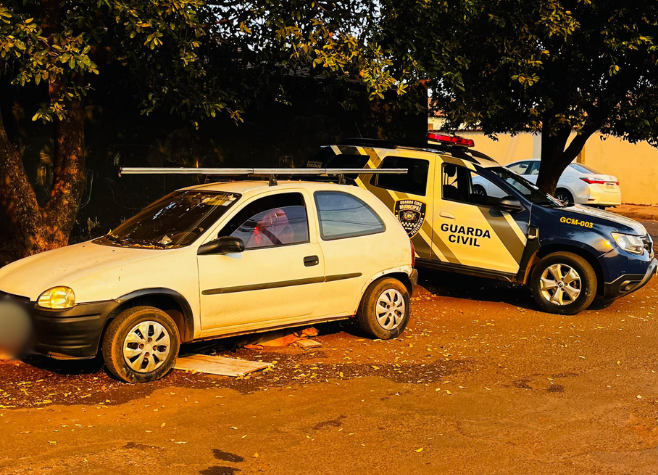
(451, 139)
(413, 254)
(593, 181)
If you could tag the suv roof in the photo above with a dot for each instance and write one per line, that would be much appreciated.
(456, 151)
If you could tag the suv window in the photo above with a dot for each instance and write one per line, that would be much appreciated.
(414, 181)
(465, 186)
(276, 220)
(342, 215)
(521, 168)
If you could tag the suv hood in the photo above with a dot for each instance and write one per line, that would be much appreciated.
(31, 276)
(621, 223)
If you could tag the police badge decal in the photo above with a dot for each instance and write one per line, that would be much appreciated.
(411, 214)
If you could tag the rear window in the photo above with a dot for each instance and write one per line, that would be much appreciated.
(413, 182)
(579, 167)
(342, 215)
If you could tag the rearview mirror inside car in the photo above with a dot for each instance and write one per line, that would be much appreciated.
(222, 245)
(510, 204)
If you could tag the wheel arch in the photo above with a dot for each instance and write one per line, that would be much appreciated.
(397, 273)
(167, 300)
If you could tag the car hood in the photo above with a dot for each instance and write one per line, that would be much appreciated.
(33, 275)
(621, 223)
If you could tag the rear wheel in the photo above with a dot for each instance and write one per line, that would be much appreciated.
(141, 345)
(384, 310)
(563, 283)
(564, 196)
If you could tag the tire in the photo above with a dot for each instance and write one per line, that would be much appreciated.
(479, 190)
(564, 195)
(391, 323)
(555, 298)
(132, 366)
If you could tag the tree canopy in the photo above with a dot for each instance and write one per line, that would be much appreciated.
(191, 58)
(549, 66)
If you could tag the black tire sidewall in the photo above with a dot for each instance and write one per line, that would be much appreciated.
(367, 313)
(587, 278)
(116, 335)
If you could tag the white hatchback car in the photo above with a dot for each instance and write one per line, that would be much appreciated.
(579, 184)
(218, 260)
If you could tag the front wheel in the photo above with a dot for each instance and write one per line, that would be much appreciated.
(384, 310)
(563, 283)
(140, 345)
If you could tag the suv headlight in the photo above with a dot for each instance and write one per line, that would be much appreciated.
(629, 242)
(57, 298)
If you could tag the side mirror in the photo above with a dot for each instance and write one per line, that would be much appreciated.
(510, 205)
(222, 245)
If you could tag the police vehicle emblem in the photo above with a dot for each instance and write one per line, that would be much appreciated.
(411, 214)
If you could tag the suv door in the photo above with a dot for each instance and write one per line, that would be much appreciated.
(277, 278)
(470, 229)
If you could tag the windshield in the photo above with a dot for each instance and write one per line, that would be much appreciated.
(176, 220)
(526, 188)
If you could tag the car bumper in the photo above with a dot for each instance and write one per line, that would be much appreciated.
(598, 197)
(74, 333)
(629, 283)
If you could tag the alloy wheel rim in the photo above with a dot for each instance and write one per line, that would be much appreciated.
(563, 197)
(390, 309)
(560, 284)
(146, 347)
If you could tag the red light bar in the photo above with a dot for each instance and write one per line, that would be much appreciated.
(451, 139)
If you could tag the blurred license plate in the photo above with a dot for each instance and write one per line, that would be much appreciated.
(610, 185)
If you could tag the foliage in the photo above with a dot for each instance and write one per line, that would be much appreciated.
(547, 65)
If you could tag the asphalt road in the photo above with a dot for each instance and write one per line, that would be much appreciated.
(481, 382)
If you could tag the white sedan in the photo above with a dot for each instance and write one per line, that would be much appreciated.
(213, 261)
(578, 184)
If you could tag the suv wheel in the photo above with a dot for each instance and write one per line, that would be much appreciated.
(384, 310)
(141, 345)
(563, 283)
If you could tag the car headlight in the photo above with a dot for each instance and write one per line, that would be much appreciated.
(57, 298)
(629, 242)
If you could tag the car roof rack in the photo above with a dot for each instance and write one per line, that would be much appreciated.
(270, 173)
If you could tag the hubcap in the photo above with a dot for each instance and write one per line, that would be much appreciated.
(146, 346)
(390, 309)
(560, 284)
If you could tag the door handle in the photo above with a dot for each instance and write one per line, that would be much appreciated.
(445, 214)
(310, 261)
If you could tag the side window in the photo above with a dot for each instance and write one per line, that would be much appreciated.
(275, 220)
(533, 169)
(414, 181)
(457, 185)
(343, 215)
(521, 168)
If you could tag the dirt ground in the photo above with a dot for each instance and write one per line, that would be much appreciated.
(481, 382)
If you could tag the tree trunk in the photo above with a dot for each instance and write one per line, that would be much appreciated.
(38, 229)
(556, 156)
